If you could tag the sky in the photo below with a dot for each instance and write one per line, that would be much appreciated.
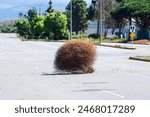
(9, 9)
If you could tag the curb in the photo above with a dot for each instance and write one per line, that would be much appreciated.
(118, 46)
(139, 59)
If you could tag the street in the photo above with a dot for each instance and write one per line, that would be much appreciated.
(22, 64)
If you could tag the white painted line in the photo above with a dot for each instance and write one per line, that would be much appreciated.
(113, 94)
(105, 91)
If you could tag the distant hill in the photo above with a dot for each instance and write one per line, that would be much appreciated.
(12, 12)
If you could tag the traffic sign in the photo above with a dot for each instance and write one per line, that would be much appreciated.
(132, 28)
(132, 35)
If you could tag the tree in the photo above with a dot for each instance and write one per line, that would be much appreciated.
(50, 8)
(52, 26)
(20, 15)
(140, 10)
(48, 25)
(94, 14)
(79, 13)
(38, 28)
(119, 0)
(108, 21)
(135, 9)
(23, 26)
(32, 13)
(56, 25)
(118, 15)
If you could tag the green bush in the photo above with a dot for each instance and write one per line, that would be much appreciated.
(38, 28)
(8, 29)
(56, 25)
(51, 26)
(94, 36)
(23, 26)
(82, 35)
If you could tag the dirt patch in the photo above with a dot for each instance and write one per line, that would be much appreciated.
(143, 41)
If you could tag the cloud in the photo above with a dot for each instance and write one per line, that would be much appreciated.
(5, 6)
(10, 8)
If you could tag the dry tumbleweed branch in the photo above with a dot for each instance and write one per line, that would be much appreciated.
(76, 56)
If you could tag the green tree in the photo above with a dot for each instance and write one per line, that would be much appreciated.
(134, 9)
(50, 8)
(79, 13)
(108, 21)
(119, 0)
(118, 14)
(23, 26)
(32, 13)
(20, 15)
(48, 25)
(92, 12)
(31, 16)
(38, 28)
(140, 11)
(56, 25)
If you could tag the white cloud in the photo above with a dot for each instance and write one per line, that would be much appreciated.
(5, 6)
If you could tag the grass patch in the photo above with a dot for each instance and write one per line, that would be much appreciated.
(44, 40)
(117, 40)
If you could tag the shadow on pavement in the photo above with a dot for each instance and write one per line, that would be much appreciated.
(62, 73)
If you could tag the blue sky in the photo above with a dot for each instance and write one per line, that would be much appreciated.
(11, 8)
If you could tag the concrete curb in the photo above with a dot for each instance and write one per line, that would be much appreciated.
(139, 58)
(118, 46)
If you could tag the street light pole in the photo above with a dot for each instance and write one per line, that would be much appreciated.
(101, 21)
(70, 20)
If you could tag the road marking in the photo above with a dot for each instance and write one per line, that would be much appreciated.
(113, 94)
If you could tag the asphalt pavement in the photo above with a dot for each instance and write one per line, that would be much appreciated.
(22, 65)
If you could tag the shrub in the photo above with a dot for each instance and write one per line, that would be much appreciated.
(94, 35)
(8, 29)
(75, 56)
(38, 27)
(56, 25)
(23, 26)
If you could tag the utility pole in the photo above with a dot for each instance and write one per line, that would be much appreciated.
(70, 20)
(130, 24)
(101, 21)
